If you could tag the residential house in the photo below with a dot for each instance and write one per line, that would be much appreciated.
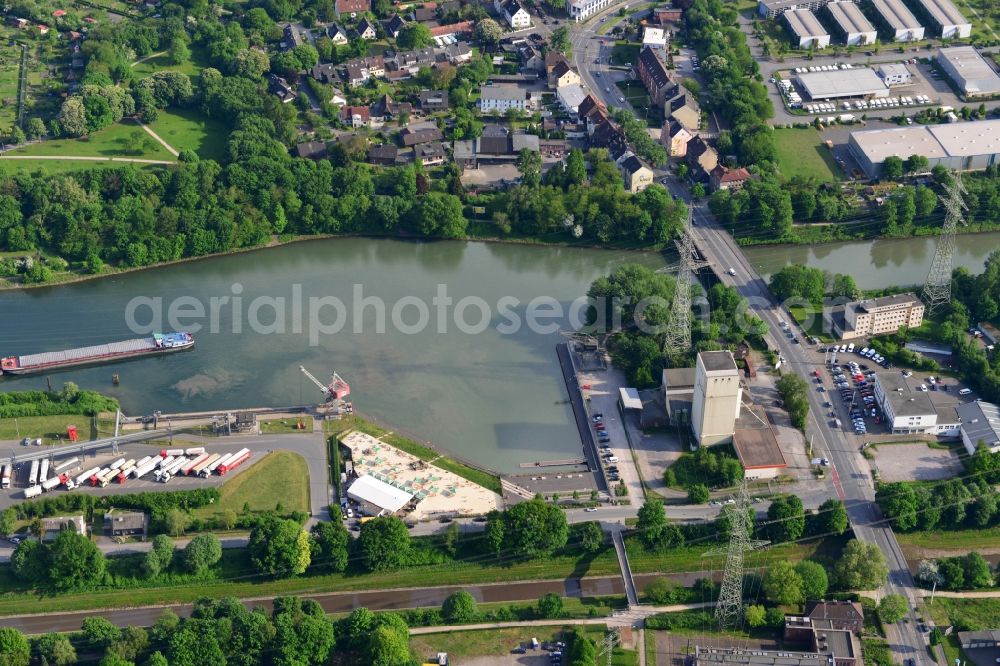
(531, 58)
(654, 75)
(313, 150)
(280, 88)
(119, 524)
(655, 38)
(384, 155)
(684, 109)
(291, 37)
(52, 526)
(837, 615)
(553, 148)
(701, 157)
(430, 154)
(365, 30)
(668, 14)
(393, 25)
(338, 97)
(433, 101)
(561, 74)
(637, 176)
(610, 136)
(724, 178)
(356, 116)
(590, 112)
(497, 145)
(456, 54)
(412, 137)
(517, 17)
(386, 109)
(337, 34)
(43, 29)
(424, 14)
(501, 98)
(570, 97)
(352, 8)
(18, 23)
(355, 74)
(325, 73)
(456, 30)
(675, 137)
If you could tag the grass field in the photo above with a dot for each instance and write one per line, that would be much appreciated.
(118, 140)
(481, 643)
(973, 613)
(62, 166)
(624, 53)
(161, 63)
(287, 425)
(49, 427)
(10, 67)
(804, 315)
(691, 558)
(186, 129)
(802, 153)
(281, 477)
(962, 541)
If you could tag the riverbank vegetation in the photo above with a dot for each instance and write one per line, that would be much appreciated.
(69, 400)
(634, 303)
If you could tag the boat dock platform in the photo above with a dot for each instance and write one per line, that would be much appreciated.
(553, 463)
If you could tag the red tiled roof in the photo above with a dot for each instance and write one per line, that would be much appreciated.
(452, 28)
(353, 6)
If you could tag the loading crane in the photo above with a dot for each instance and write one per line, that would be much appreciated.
(337, 389)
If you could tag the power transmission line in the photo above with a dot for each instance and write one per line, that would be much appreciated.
(937, 288)
(677, 336)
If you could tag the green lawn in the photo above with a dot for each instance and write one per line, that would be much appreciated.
(161, 63)
(962, 541)
(61, 166)
(10, 66)
(287, 425)
(801, 152)
(118, 140)
(481, 643)
(186, 129)
(973, 613)
(624, 53)
(691, 558)
(281, 477)
(49, 427)
(814, 319)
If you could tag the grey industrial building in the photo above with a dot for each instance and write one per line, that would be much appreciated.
(899, 21)
(842, 83)
(853, 26)
(964, 146)
(806, 29)
(980, 423)
(946, 18)
(774, 8)
(973, 75)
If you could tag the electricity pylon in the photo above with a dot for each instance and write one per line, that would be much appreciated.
(730, 605)
(677, 335)
(937, 288)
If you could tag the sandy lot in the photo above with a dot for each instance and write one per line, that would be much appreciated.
(443, 493)
(916, 462)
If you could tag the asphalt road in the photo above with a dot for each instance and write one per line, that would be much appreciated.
(851, 479)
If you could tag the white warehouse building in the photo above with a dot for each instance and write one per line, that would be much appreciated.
(964, 146)
(852, 24)
(973, 75)
(910, 410)
(980, 423)
(947, 19)
(899, 20)
(806, 29)
(841, 83)
(580, 10)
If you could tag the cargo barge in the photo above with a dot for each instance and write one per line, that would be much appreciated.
(156, 344)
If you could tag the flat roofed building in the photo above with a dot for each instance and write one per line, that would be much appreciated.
(775, 8)
(977, 640)
(946, 17)
(852, 24)
(806, 29)
(654, 38)
(973, 75)
(502, 98)
(886, 314)
(899, 20)
(756, 446)
(963, 146)
(910, 409)
(580, 10)
(839, 83)
(717, 396)
(377, 497)
(841, 650)
(980, 423)
(894, 74)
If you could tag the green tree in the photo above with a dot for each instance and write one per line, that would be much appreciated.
(783, 585)
(661, 591)
(459, 607)
(250, 64)
(202, 552)
(7, 519)
(892, 608)
(440, 214)
(550, 606)
(786, 518)
(384, 543)
(14, 648)
(279, 547)
(590, 536)
(330, 543)
(74, 561)
(132, 642)
(389, 644)
(698, 493)
(861, 566)
(54, 650)
(34, 129)
(892, 168)
(489, 32)
(652, 521)
(30, 561)
(178, 53)
(99, 632)
(414, 35)
(831, 518)
(175, 521)
(756, 615)
(917, 164)
(559, 40)
(576, 167)
(529, 165)
(534, 529)
(814, 579)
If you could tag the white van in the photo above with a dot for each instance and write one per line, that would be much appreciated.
(965, 391)
(850, 348)
(864, 352)
(612, 459)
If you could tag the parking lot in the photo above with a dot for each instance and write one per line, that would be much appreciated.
(916, 462)
(851, 370)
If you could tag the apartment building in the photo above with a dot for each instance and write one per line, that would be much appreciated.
(878, 316)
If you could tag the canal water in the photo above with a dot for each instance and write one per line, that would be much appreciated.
(496, 396)
(879, 263)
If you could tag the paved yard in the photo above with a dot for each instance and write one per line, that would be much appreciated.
(656, 451)
(916, 462)
(672, 648)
